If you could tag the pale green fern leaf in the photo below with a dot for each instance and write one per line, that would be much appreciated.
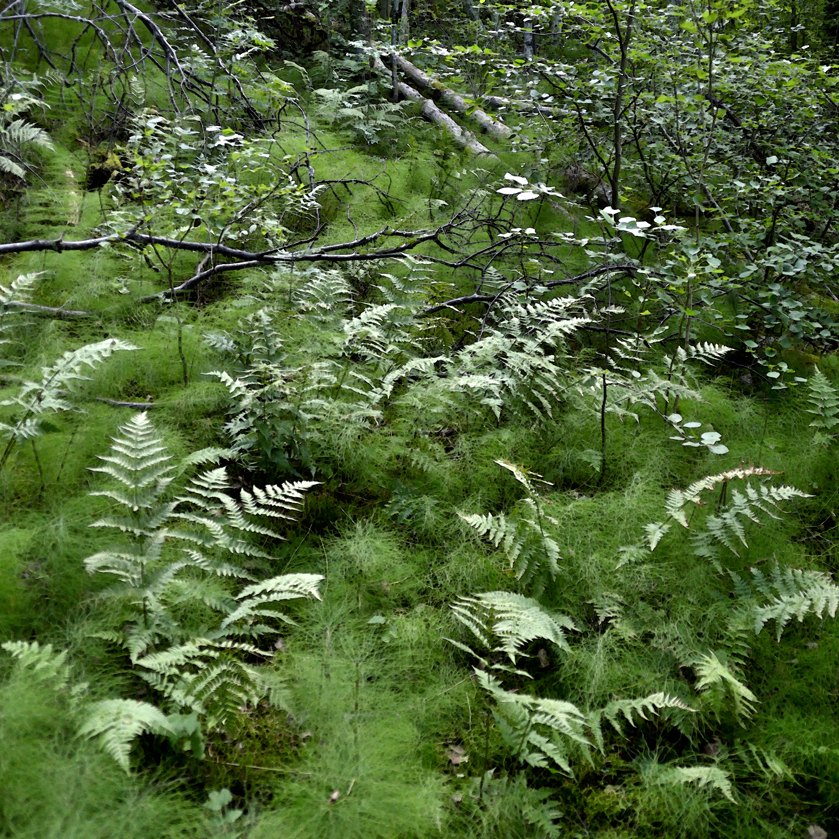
(42, 662)
(513, 620)
(51, 395)
(825, 401)
(531, 552)
(619, 710)
(286, 587)
(703, 776)
(784, 594)
(117, 722)
(714, 675)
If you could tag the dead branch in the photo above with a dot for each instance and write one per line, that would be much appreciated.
(466, 299)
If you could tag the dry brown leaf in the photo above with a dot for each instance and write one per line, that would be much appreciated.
(456, 756)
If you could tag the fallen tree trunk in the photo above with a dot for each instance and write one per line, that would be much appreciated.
(430, 111)
(452, 101)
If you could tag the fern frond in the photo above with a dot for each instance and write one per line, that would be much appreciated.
(641, 707)
(280, 502)
(678, 499)
(825, 401)
(285, 587)
(714, 675)
(10, 167)
(19, 132)
(42, 662)
(140, 462)
(531, 553)
(205, 676)
(517, 717)
(703, 776)
(703, 351)
(13, 299)
(35, 399)
(513, 619)
(326, 295)
(117, 722)
(128, 566)
(786, 593)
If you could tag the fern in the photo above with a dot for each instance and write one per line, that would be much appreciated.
(536, 730)
(327, 296)
(540, 731)
(41, 662)
(15, 135)
(35, 400)
(281, 408)
(512, 619)
(719, 679)
(117, 722)
(748, 759)
(12, 300)
(197, 665)
(205, 676)
(678, 499)
(531, 552)
(825, 401)
(784, 594)
(628, 709)
(726, 527)
(703, 776)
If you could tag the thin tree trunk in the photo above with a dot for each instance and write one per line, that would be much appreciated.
(404, 22)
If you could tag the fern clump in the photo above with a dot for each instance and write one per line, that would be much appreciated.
(543, 732)
(187, 623)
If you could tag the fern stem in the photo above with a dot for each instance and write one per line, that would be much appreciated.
(66, 453)
(38, 463)
(6, 452)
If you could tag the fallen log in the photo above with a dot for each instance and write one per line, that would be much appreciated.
(430, 111)
(452, 101)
